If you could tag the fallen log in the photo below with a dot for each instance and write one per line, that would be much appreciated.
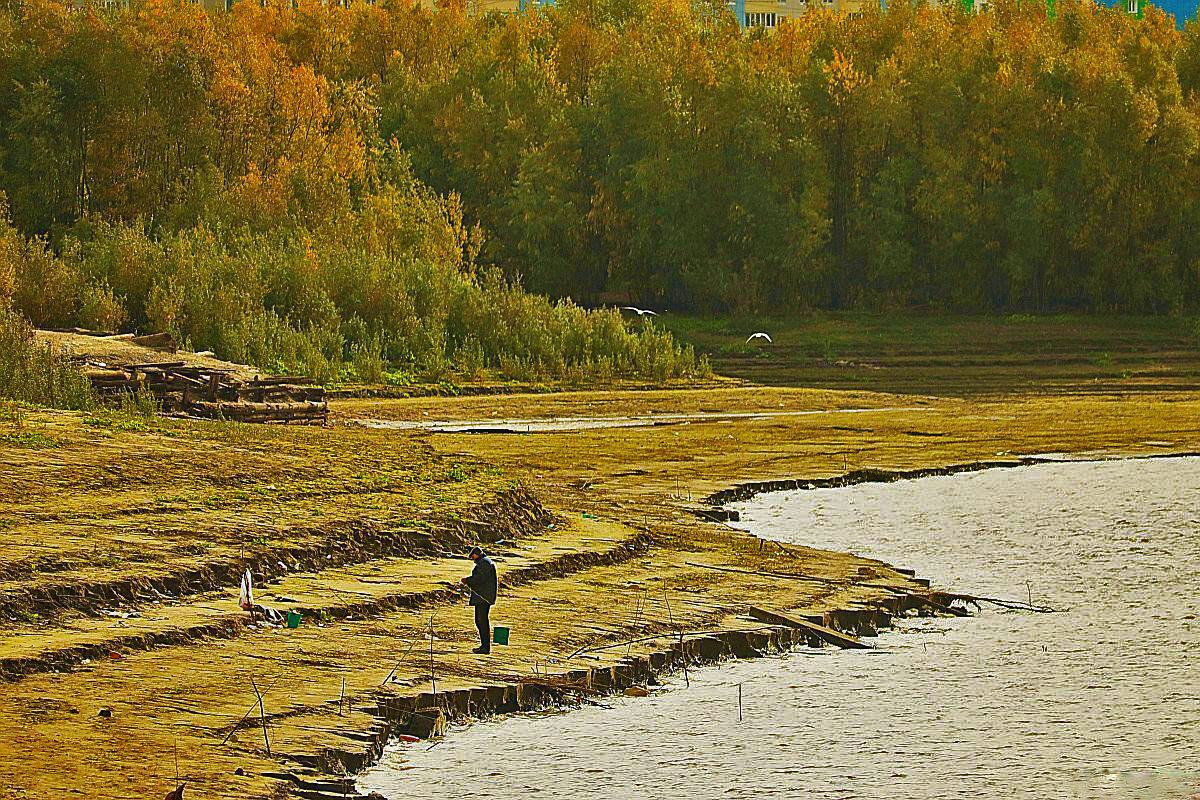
(1012, 605)
(280, 380)
(945, 608)
(156, 341)
(157, 365)
(245, 411)
(837, 638)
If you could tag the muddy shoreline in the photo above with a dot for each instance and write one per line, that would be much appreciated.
(745, 491)
(426, 715)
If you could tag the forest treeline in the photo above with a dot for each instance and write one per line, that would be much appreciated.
(225, 178)
(304, 184)
(1010, 160)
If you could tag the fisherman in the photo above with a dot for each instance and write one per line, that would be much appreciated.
(482, 582)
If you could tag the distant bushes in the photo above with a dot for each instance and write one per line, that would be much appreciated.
(52, 290)
(30, 372)
(224, 177)
(390, 285)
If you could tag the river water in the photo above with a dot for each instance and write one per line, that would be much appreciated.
(576, 423)
(1101, 700)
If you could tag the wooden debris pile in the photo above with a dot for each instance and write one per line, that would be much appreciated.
(213, 393)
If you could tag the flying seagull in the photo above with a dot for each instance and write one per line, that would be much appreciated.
(641, 312)
(759, 335)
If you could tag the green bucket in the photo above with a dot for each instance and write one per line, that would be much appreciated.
(500, 635)
(293, 619)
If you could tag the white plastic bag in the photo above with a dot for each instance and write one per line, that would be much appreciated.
(246, 592)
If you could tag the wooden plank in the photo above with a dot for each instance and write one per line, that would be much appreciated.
(156, 341)
(282, 379)
(158, 365)
(843, 640)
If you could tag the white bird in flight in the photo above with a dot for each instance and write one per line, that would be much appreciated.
(641, 312)
(759, 335)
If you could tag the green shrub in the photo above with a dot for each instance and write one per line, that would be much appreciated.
(367, 357)
(99, 309)
(141, 403)
(31, 372)
(388, 285)
(290, 300)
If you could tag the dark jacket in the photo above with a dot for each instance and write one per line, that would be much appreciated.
(483, 582)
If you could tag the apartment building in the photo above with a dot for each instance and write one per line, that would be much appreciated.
(769, 13)
(756, 13)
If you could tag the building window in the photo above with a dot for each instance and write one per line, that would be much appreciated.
(761, 19)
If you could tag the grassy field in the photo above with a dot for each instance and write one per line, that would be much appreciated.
(952, 355)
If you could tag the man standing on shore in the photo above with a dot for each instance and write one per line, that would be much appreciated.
(483, 584)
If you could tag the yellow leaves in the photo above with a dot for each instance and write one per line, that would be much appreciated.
(1004, 74)
(842, 79)
(581, 49)
(261, 197)
(163, 24)
(278, 119)
(229, 92)
(1145, 116)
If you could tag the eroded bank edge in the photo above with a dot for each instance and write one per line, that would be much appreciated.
(426, 714)
(745, 491)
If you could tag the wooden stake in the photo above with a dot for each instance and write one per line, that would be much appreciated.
(262, 716)
(407, 652)
(682, 647)
(432, 676)
(739, 702)
(342, 699)
(249, 711)
(637, 618)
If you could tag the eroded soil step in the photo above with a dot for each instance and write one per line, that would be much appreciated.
(310, 733)
(113, 726)
(356, 591)
(425, 714)
(512, 514)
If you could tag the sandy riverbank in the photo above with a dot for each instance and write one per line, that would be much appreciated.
(125, 535)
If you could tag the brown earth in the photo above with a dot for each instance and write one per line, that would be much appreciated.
(119, 350)
(124, 538)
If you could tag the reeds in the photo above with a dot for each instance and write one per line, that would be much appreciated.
(35, 373)
(339, 305)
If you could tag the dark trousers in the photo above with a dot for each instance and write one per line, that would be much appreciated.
(484, 625)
